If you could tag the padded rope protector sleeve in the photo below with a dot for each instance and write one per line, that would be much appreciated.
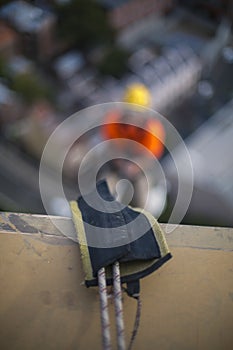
(106, 234)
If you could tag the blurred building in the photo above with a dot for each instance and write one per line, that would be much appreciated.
(210, 149)
(19, 65)
(35, 25)
(124, 13)
(68, 64)
(170, 77)
(9, 41)
(214, 9)
(10, 105)
(33, 130)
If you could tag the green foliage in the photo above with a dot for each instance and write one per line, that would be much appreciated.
(3, 68)
(84, 23)
(30, 88)
(27, 85)
(114, 62)
(4, 2)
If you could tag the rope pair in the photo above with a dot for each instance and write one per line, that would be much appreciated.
(105, 322)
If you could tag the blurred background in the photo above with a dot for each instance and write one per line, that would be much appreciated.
(60, 56)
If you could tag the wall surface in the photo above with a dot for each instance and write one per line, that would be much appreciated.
(187, 304)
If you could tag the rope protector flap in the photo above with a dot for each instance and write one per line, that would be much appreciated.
(108, 232)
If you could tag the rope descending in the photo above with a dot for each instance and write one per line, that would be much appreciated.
(105, 323)
(118, 306)
(136, 322)
(117, 294)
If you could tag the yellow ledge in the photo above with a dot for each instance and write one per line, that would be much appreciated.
(187, 304)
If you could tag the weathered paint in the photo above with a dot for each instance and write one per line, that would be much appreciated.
(187, 304)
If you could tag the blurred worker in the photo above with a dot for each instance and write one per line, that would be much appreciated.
(150, 133)
(132, 125)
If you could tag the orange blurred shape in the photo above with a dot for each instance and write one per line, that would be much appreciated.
(151, 134)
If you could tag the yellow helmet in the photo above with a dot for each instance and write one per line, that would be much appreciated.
(137, 93)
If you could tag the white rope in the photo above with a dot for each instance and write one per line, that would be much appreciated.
(118, 306)
(105, 323)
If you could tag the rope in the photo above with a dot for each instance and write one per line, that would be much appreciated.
(118, 306)
(136, 322)
(105, 323)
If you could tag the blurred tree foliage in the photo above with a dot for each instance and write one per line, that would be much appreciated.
(4, 2)
(114, 62)
(3, 67)
(30, 88)
(84, 23)
(27, 85)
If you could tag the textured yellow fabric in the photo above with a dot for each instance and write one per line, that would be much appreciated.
(159, 235)
(78, 222)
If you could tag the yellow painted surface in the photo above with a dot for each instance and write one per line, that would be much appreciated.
(187, 304)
